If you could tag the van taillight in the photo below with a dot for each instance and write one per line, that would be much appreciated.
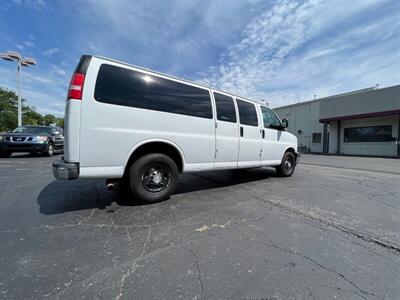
(76, 86)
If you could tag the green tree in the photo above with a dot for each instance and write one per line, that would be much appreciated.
(60, 122)
(30, 116)
(49, 119)
(8, 110)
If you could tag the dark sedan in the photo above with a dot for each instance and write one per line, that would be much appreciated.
(44, 140)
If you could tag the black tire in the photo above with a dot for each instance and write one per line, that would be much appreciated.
(153, 178)
(286, 168)
(49, 149)
(5, 154)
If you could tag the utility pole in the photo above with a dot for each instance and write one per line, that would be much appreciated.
(21, 62)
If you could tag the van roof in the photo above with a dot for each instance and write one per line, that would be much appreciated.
(177, 78)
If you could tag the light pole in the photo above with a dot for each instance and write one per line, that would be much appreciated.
(24, 62)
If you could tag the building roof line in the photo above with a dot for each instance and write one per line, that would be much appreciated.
(337, 95)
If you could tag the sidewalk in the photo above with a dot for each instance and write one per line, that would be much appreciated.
(386, 165)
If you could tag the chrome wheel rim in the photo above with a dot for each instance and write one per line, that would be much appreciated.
(51, 150)
(156, 177)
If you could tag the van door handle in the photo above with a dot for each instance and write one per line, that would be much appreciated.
(241, 131)
(263, 133)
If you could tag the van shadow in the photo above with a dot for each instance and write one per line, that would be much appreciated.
(67, 196)
(217, 179)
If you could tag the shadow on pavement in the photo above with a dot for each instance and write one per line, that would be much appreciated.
(64, 196)
(61, 196)
(208, 180)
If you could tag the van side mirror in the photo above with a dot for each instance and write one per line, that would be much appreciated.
(285, 123)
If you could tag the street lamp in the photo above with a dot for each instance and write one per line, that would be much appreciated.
(24, 62)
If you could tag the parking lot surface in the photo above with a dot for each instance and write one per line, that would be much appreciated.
(325, 233)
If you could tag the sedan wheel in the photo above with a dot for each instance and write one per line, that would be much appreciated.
(50, 150)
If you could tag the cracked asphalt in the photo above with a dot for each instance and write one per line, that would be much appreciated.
(325, 233)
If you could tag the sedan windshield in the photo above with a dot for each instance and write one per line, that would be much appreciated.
(35, 130)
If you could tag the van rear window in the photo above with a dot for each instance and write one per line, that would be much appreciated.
(125, 87)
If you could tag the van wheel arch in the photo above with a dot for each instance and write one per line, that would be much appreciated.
(156, 147)
(288, 164)
(290, 149)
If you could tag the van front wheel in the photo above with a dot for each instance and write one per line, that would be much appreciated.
(153, 177)
(286, 168)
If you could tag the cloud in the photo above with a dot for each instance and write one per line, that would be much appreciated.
(177, 37)
(57, 71)
(51, 51)
(36, 4)
(297, 49)
(29, 44)
(282, 51)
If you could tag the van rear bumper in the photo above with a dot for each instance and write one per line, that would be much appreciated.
(65, 171)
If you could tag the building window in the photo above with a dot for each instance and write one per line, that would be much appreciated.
(316, 137)
(368, 134)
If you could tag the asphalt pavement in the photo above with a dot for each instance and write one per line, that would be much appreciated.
(331, 231)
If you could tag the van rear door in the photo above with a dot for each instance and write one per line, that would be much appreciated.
(72, 118)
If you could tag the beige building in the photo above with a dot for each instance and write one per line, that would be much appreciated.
(364, 122)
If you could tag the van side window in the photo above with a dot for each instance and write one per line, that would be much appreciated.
(269, 118)
(247, 113)
(225, 108)
(120, 86)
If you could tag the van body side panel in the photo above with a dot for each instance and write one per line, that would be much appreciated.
(100, 172)
(110, 132)
(72, 130)
(147, 141)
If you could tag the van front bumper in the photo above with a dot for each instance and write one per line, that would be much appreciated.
(297, 155)
(65, 171)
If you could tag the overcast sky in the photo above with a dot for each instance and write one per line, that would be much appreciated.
(281, 51)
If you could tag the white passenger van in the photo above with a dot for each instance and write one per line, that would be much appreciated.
(126, 122)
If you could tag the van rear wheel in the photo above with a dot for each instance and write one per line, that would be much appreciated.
(153, 177)
(286, 168)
